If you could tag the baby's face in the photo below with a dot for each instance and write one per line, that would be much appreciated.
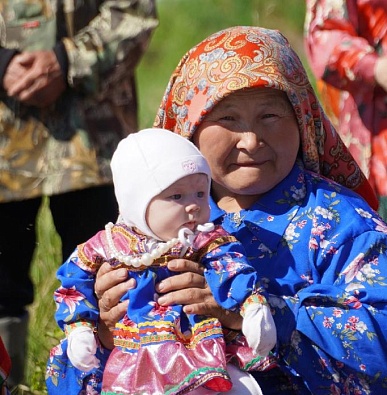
(182, 205)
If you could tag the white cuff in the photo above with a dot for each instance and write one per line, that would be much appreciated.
(259, 328)
(81, 348)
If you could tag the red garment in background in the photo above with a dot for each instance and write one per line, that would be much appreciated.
(5, 368)
(343, 41)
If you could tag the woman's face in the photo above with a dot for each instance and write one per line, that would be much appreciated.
(250, 140)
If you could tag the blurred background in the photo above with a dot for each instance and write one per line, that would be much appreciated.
(183, 23)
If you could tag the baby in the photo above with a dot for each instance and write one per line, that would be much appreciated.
(162, 186)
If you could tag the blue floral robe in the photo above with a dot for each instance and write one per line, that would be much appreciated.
(320, 252)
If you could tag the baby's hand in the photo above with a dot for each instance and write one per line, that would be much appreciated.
(82, 346)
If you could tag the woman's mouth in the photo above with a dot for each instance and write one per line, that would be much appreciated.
(250, 164)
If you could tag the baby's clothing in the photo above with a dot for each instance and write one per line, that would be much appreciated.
(162, 350)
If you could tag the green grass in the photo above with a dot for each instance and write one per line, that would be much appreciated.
(43, 332)
(183, 23)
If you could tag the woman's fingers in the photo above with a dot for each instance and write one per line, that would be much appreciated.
(181, 281)
(184, 265)
(191, 276)
(110, 286)
(209, 307)
(107, 278)
(107, 320)
(190, 289)
(185, 296)
(185, 288)
(110, 316)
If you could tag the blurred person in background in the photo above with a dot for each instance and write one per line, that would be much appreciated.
(67, 97)
(346, 45)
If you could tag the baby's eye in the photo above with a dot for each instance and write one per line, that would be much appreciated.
(201, 194)
(176, 196)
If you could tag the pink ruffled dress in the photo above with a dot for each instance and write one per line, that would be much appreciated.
(162, 350)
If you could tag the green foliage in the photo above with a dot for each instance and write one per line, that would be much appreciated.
(183, 23)
(43, 331)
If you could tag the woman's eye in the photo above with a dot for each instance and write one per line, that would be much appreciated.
(227, 118)
(265, 116)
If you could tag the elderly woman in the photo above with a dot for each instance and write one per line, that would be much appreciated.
(285, 185)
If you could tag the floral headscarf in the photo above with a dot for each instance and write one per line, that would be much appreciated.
(248, 57)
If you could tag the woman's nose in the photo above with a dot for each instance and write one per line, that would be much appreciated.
(250, 141)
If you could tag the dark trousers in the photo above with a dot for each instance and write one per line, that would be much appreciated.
(77, 216)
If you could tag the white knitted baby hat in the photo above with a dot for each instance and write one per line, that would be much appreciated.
(146, 163)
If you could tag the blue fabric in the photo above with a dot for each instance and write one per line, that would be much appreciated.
(63, 378)
(320, 252)
(79, 301)
(228, 273)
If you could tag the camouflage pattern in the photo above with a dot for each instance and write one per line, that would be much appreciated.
(69, 145)
(2, 31)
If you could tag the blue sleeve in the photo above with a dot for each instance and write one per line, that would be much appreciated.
(349, 317)
(63, 378)
(75, 299)
(230, 276)
(344, 313)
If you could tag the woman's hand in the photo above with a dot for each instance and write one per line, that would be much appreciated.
(188, 288)
(191, 290)
(109, 288)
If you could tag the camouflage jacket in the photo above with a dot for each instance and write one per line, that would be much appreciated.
(68, 146)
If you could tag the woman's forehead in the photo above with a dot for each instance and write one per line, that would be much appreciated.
(266, 96)
(258, 92)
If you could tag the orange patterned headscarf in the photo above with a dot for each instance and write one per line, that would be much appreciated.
(253, 57)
